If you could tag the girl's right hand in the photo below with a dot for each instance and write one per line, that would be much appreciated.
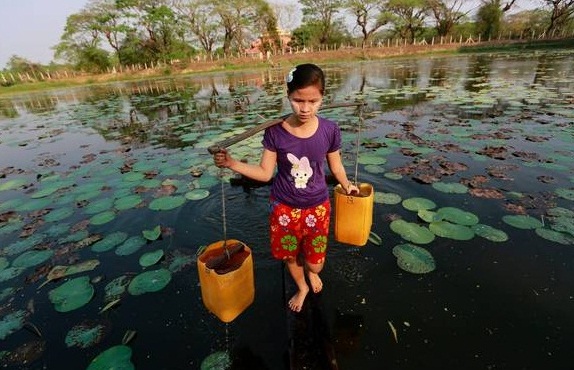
(222, 159)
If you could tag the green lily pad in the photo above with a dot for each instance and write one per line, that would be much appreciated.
(428, 216)
(3, 263)
(131, 245)
(560, 212)
(450, 187)
(414, 259)
(23, 245)
(449, 230)
(375, 239)
(12, 184)
(114, 358)
(372, 159)
(412, 232)
(149, 281)
(197, 194)
(563, 224)
(99, 206)
(86, 334)
(10, 273)
(12, 323)
(72, 295)
(489, 233)
(524, 222)
(457, 216)
(109, 242)
(565, 193)
(151, 258)
(34, 205)
(102, 218)
(416, 204)
(166, 203)
(131, 201)
(59, 214)
(32, 258)
(116, 287)
(387, 198)
(153, 234)
(216, 361)
(51, 189)
(555, 236)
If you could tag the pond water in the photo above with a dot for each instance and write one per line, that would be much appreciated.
(491, 135)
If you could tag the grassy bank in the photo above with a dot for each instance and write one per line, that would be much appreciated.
(286, 61)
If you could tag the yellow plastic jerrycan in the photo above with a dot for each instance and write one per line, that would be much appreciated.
(354, 214)
(226, 280)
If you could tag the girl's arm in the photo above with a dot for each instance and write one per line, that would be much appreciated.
(337, 169)
(262, 172)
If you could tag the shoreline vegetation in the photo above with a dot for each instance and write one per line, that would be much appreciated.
(286, 61)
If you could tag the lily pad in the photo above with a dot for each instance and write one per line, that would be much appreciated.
(12, 322)
(412, 232)
(414, 259)
(32, 258)
(449, 230)
(565, 193)
(450, 187)
(131, 245)
(524, 222)
(103, 218)
(12, 184)
(114, 358)
(197, 194)
(151, 258)
(216, 361)
(387, 198)
(416, 204)
(131, 201)
(99, 206)
(555, 236)
(152, 234)
(116, 287)
(86, 334)
(490, 233)
(59, 214)
(10, 273)
(109, 242)
(457, 216)
(149, 281)
(72, 295)
(166, 203)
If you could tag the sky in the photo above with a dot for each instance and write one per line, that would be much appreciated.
(30, 28)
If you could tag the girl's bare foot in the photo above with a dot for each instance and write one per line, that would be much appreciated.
(296, 302)
(316, 282)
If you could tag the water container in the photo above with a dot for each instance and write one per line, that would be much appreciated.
(354, 215)
(226, 292)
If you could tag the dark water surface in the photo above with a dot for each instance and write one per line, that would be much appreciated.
(487, 305)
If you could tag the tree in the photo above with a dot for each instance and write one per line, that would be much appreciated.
(561, 14)
(489, 19)
(528, 22)
(408, 17)
(322, 13)
(447, 14)
(369, 17)
(200, 18)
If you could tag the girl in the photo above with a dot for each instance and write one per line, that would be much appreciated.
(300, 207)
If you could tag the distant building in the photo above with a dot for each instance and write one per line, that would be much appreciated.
(257, 47)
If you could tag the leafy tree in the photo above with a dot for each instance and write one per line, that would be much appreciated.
(447, 14)
(200, 18)
(562, 12)
(489, 19)
(528, 22)
(369, 17)
(322, 14)
(408, 16)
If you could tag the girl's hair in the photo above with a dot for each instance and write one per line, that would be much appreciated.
(305, 75)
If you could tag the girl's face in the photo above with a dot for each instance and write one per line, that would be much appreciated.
(305, 102)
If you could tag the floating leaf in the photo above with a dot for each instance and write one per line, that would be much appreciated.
(216, 361)
(10, 273)
(131, 201)
(12, 184)
(450, 187)
(116, 287)
(99, 206)
(412, 232)
(416, 204)
(58, 272)
(428, 215)
(149, 281)
(153, 234)
(114, 358)
(555, 236)
(489, 233)
(387, 198)
(166, 203)
(197, 194)
(375, 239)
(109, 242)
(59, 214)
(86, 334)
(12, 322)
(72, 294)
(565, 193)
(522, 221)
(457, 216)
(32, 258)
(449, 230)
(414, 259)
(130, 246)
(23, 245)
(151, 258)
(103, 218)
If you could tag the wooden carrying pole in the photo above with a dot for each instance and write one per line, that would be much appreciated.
(215, 148)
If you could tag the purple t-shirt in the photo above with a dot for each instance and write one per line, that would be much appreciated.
(300, 179)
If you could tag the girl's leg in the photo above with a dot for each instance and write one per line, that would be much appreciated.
(313, 270)
(298, 274)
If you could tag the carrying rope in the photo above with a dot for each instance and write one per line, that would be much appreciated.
(358, 143)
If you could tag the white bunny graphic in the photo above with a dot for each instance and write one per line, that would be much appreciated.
(301, 170)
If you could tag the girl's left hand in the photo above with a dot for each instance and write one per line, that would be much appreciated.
(352, 189)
